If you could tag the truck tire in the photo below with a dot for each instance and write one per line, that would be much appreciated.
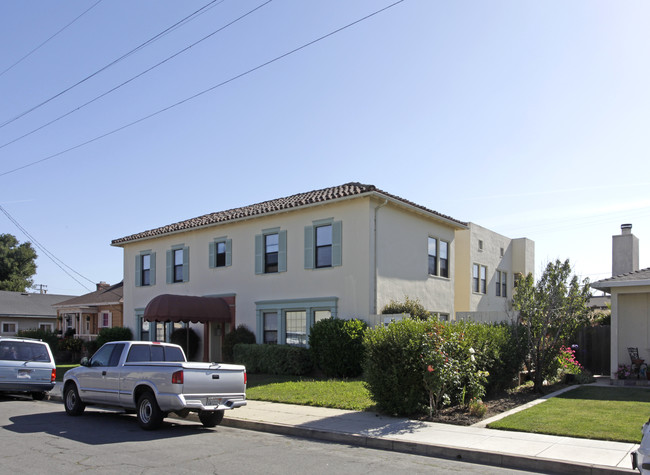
(148, 412)
(71, 400)
(210, 418)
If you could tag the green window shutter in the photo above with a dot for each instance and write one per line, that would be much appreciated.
(152, 271)
(138, 270)
(170, 268)
(228, 252)
(337, 243)
(309, 247)
(259, 254)
(213, 253)
(186, 264)
(282, 252)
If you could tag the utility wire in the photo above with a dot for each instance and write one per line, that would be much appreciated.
(112, 63)
(51, 256)
(47, 40)
(169, 58)
(205, 91)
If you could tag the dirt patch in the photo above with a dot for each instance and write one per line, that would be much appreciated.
(496, 404)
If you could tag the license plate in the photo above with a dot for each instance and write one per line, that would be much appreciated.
(213, 401)
(24, 373)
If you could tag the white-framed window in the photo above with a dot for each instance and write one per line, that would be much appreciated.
(438, 257)
(501, 284)
(220, 252)
(479, 279)
(296, 325)
(271, 251)
(46, 326)
(105, 320)
(10, 328)
(145, 268)
(178, 264)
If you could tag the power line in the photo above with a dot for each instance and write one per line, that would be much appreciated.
(47, 40)
(169, 58)
(205, 91)
(112, 63)
(51, 256)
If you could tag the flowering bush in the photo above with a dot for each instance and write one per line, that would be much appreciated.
(477, 408)
(623, 372)
(568, 364)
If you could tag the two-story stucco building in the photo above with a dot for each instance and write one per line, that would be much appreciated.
(279, 266)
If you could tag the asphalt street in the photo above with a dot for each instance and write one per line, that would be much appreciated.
(39, 437)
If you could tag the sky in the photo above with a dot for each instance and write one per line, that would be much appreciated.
(528, 118)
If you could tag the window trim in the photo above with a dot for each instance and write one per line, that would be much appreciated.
(479, 284)
(501, 283)
(438, 257)
(260, 251)
(336, 259)
(15, 324)
(139, 259)
(171, 266)
(213, 253)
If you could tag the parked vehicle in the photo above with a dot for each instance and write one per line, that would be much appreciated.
(26, 366)
(154, 379)
(641, 458)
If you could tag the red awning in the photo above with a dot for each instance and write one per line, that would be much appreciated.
(186, 308)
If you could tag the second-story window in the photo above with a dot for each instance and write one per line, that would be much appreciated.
(178, 265)
(324, 246)
(433, 256)
(444, 259)
(146, 269)
(220, 254)
(501, 284)
(271, 248)
(438, 257)
(479, 279)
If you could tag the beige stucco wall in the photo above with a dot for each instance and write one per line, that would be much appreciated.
(631, 320)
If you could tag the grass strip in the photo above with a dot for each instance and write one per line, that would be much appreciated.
(591, 412)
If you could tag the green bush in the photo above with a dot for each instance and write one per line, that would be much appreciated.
(179, 337)
(90, 347)
(114, 334)
(337, 347)
(411, 306)
(241, 334)
(273, 359)
(49, 337)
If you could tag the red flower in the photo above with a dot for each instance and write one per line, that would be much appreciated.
(430, 369)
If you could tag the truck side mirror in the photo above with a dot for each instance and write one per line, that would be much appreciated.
(85, 361)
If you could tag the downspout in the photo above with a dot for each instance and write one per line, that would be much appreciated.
(376, 272)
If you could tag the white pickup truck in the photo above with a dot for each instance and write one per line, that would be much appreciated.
(154, 379)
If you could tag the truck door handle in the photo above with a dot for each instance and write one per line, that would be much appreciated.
(103, 373)
(215, 376)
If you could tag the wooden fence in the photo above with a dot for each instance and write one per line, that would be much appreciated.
(593, 349)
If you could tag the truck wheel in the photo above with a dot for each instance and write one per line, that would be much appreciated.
(72, 402)
(210, 418)
(148, 412)
(38, 395)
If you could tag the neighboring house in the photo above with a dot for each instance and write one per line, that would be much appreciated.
(89, 313)
(487, 264)
(630, 300)
(281, 265)
(25, 311)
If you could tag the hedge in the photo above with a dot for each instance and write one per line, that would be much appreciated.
(273, 359)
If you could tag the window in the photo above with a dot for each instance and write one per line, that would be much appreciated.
(479, 279)
(9, 328)
(178, 264)
(271, 251)
(145, 269)
(323, 244)
(296, 325)
(105, 320)
(321, 315)
(270, 328)
(220, 253)
(502, 284)
(480, 245)
(45, 326)
(438, 255)
(107, 355)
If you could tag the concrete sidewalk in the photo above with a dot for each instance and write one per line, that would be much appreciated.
(524, 451)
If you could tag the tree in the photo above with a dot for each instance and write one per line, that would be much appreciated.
(17, 264)
(550, 312)
(411, 306)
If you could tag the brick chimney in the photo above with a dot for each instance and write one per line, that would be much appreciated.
(103, 285)
(625, 251)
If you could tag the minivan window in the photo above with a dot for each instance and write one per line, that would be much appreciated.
(23, 351)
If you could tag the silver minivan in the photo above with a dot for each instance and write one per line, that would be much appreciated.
(26, 366)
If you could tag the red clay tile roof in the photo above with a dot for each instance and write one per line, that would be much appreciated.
(347, 190)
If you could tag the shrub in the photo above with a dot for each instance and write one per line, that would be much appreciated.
(411, 306)
(179, 337)
(113, 334)
(241, 334)
(49, 337)
(273, 359)
(477, 408)
(90, 347)
(337, 347)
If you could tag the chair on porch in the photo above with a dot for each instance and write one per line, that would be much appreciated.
(636, 361)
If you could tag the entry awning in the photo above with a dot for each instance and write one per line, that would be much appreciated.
(186, 308)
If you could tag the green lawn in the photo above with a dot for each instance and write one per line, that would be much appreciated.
(592, 412)
(62, 368)
(340, 394)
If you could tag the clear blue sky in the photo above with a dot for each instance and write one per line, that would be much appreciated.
(528, 118)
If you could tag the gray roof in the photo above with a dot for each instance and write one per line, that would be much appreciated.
(640, 277)
(22, 304)
(348, 190)
(107, 295)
